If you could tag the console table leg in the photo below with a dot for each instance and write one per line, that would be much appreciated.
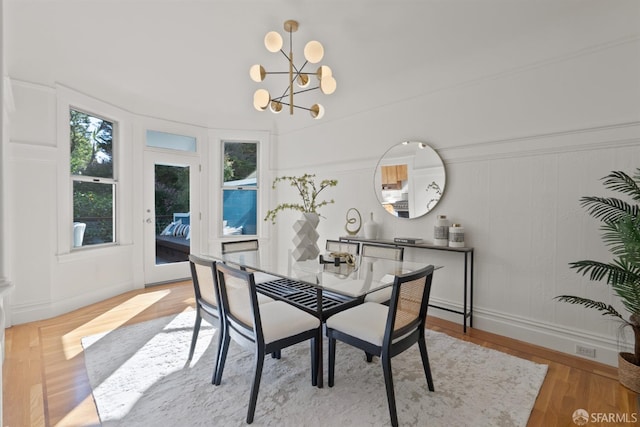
(464, 309)
(471, 293)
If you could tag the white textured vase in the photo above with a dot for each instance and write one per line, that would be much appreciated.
(306, 238)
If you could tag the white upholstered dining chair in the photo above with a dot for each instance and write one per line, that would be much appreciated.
(383, 251)
(248, 255)
(239, 246)
(207, 297)
(391, 252)
(261, 329)
(352, 248)
(387, 331)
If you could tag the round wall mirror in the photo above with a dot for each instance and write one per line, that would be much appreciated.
(409, 179)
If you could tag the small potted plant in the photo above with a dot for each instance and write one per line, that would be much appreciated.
(306, 234)
(621, 233)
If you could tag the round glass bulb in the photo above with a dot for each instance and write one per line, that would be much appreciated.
(261, 99)
(328, 85)
(324, 71)
(257, 73)
(302, 80)
(275, 106)
(316, 111)
(273, 41)
(313, 52)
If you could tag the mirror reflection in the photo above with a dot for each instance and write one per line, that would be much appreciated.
(409, 179)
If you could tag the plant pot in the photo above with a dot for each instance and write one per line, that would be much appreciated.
(628, 372)
(306, 238)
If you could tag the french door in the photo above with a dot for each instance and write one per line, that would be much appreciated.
(171, 214)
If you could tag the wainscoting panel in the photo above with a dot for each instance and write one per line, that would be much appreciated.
(518, 200)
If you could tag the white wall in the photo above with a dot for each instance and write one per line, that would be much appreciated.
(50, 277)
(520, 149)
(5, 285)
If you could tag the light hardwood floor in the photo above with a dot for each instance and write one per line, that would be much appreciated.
(45, 381)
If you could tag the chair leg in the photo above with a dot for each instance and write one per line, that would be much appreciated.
(194, 338)
(276, 354)
(216, 362)
(425, 362)
(369, 357)
(332, 359)
(222, 357)
(388, 382)
(256, 386)
(314, 358)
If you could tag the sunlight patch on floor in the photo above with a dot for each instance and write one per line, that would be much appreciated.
(85, 410)
(118, 315)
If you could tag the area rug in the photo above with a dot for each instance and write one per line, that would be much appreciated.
(140, 376)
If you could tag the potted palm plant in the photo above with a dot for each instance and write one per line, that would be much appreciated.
(621, 233)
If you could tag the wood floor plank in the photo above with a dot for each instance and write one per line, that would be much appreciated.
(46, 384)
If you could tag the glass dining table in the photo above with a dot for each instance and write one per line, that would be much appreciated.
(322, 286)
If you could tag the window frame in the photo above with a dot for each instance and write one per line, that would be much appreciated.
(224, 187)
(113, 181)
(123, 155)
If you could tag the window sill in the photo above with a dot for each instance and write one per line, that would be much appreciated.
(93, 251)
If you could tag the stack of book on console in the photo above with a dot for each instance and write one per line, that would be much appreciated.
(411, 240)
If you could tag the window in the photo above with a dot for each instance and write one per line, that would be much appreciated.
(170, 141)
(240, 188)
(92, 178)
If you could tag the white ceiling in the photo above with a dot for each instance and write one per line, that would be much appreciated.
(188, 60)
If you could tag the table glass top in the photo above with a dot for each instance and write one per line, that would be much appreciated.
(357, 278)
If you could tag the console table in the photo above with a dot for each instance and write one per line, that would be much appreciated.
(467, 310)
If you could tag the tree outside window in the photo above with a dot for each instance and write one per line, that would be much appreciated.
(93, 180)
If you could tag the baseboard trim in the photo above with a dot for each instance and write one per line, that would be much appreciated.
(538, 333)
(26, 313)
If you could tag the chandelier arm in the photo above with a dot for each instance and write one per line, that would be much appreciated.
(285, 55)
(286, 72)
(280, 98)
(298, 106)
(302, 68)
(295, 69)
(298, 72)
(306, 90)
(286, 92)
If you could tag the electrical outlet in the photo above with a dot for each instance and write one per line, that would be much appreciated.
(586, 351)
